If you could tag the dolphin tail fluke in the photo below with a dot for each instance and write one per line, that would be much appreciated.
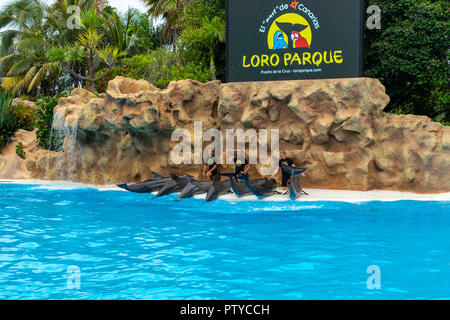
(293, 171)
(253, 190)
(295, 187)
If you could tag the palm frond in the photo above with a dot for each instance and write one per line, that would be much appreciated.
(20, 67)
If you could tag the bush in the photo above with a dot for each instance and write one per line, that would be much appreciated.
(160, 67)
(180, 72)
(44, 120)
(25, 116)
(9, 123)
(19, 150)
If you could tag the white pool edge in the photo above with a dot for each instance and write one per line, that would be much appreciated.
(314, 194)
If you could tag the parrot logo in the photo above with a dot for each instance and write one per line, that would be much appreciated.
(293, 29)
(299, 41)
(289, 31)
(278, 41)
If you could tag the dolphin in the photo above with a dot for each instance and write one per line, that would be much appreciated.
(174, 184)
(218, 188)
(148, 186)
(240, 188)
(295, 186)
(288, 28)
(259, 187)
(194, 187)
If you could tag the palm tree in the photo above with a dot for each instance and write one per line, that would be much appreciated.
(24, 45)
(210, 33)
(119, 34)
(87, 49)
(32, 29)
(172, 12)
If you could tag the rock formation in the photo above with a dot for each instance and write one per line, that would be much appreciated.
(336, 128)
(27, 103)
(11, 165)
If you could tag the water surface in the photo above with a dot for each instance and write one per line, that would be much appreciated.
(132, 246)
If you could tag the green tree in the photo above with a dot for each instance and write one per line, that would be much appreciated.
(31, 29)
(410, 56)
(196, 52)
(172, 12)
(24, 45)
(148, 37)
(210, 33)
(89, 48)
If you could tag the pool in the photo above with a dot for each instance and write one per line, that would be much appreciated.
(63, 242)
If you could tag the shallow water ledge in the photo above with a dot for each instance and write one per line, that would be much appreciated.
(314, 194)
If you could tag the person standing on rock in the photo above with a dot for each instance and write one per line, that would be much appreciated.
(285, 177)
(211, 168)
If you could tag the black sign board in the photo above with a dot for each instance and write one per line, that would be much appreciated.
(270, 40)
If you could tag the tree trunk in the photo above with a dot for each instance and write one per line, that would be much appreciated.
(175, 38)
(92, 87)
(212, 66)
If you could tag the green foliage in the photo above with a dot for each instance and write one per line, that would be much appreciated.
(160, 67)
(44, 120)
(179, 72)
(410, 55)
(147, 36)
(209, 33)
(26, 37)
(203, 25)
(25, 116)
(20, 150)
(8, 119)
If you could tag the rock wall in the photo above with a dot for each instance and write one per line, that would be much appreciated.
(11, 165)
(336, 128)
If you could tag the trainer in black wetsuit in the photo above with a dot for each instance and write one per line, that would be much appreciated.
(211, 168)
(241, 167)
(285, 176)
(284, 161)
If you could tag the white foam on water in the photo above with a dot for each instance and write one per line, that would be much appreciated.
(63, 203)
(293, 207)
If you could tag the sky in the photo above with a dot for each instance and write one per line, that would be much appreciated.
(122, 5)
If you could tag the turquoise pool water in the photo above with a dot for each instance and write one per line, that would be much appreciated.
(131, 246)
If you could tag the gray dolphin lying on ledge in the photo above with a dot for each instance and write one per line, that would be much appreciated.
(194, 187)
(148, 186)
(218, 188)
(259, 187)
(162, 185)
(174, 184)
(187, 186)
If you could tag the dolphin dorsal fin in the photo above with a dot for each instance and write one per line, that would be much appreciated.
(156, 175)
